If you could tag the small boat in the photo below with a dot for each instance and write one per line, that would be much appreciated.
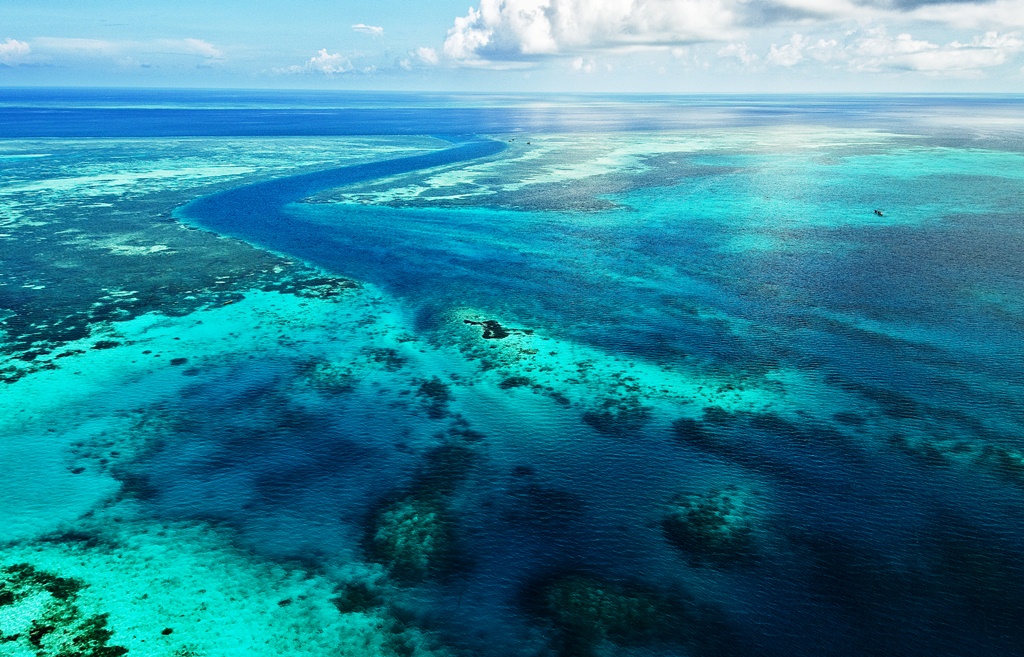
(879, 213)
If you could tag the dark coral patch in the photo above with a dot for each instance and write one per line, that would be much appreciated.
(60, 627)
(356, 597)
(618, 416)
(389, 358)
(716, 527)
(436, 396)
(695, 433)
(413, 537)
(515, 382)
(590, 614)
(492, 329)
(327, 376)
(445, 467)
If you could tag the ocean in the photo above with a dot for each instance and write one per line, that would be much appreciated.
(316, 373)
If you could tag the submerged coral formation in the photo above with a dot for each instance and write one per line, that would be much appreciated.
(436, 395)
(327, 376)
(413, 533)
(618, 416)
(716, 527)
(39, 615)
(413, 538)
(693, 432)
(492, 329)
(589, 612)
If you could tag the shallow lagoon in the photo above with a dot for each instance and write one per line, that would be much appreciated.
(673, 390)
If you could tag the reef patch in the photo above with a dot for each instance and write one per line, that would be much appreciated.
(591, 615)
(39, 613)
(716, 527)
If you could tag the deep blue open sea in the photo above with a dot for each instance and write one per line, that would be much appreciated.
(423, 374)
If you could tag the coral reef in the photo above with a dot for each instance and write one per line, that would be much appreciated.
(412, 537)
(310, 285)
(445, 467)
(436, 396)
(357, 597)
(412, 532)
(389, 358)
(716, 527)
(327, 376)
(39, 614)
(515, 382)
(492, 329)
(589, 613)
(618, 416)
(696, 433)
(461, 431)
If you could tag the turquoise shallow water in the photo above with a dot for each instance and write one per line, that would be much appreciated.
(555, 390)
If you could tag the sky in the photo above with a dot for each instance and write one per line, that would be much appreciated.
(634, 46)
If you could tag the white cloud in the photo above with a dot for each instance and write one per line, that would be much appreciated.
(427, 55)
(505, 34)
(422, 56)
(824, 50)
(877, 48)
(74, 47)
(200, 47)
(986, 51)
(584, 65)
(783, 10)
(789, 54)
(877, 51)
(999, 14)
(322, 62)
(740, 52)
(180, 47)
(524, 29)
(468, 35)
(374, 30)
(800, 47)
(13, 51)
(80, 47)
(326, 63)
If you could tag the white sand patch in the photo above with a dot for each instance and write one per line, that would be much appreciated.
(14, 618)
(24, 156)
(125, 250)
